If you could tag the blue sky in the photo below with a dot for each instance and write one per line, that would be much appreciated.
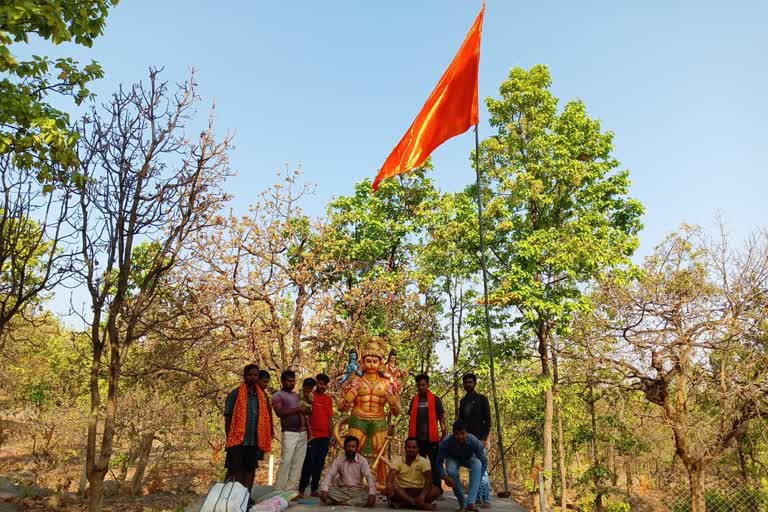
(333, 85)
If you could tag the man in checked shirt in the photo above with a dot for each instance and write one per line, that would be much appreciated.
(348, 471)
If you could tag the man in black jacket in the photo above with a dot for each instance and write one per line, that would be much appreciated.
(475, 412)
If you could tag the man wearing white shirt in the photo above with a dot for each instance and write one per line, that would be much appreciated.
(343, 483)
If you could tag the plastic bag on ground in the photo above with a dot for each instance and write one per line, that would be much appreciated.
(226, 497)
(275, 504)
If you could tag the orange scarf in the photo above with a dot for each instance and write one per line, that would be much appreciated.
(434, 437)
(264, 430)
(239, 416)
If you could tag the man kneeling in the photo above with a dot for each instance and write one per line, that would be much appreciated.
(348, 488)
(457, 450)
(409, 482)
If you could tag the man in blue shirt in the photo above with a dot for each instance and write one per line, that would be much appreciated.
(457, 450)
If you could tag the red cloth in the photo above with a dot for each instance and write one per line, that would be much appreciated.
(239, 414)
(450, 110)
(434, 437)
(322, 410)
(264, 429)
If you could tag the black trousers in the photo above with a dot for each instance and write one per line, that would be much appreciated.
(242, 458)
(429, 450)
(314, 461)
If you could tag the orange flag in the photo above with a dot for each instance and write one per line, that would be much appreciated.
(450, 110)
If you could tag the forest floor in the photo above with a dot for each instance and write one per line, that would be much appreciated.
(41, 482)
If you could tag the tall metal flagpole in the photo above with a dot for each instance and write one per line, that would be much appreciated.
(487, 313)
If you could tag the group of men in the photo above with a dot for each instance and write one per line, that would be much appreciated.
(431, 455)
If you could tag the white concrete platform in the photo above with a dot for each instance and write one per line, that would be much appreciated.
(448, 503)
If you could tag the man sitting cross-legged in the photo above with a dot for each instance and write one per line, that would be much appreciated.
(348, 488)
(409, 483)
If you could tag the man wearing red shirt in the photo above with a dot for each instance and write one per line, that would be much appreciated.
(321, 423)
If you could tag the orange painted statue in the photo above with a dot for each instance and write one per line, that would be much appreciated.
(393, 373)
(368, 396)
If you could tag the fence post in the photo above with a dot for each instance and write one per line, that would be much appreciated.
(542, 501)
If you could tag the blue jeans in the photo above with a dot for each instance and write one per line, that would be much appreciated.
(485, 488)
(314, 462)
(484, 494)
(475, 474)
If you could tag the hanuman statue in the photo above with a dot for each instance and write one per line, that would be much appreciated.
(367, 396)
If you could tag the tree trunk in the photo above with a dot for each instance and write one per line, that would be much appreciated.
(82, 484)
(95, 493)
(141, 465)
(454, 353)
(696, 484)
(98, 466)
(560, 444)
(543, 336)
(93, 472)
(595, 457)
(561, 463)
(742, 459)
(302, 298)
(547, 441)
(612, 465)
(455, 393)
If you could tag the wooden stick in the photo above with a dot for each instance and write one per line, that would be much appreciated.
(381, 452)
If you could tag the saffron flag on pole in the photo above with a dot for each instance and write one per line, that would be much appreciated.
(450, 110)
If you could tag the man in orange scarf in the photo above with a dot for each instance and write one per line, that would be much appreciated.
(248, 428)
(426, 411)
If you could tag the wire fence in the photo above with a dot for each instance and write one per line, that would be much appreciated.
(651, 488)
(724, 491)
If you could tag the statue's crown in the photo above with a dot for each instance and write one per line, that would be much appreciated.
(374, 346)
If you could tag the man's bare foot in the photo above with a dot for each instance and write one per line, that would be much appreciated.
(471, 507)
(315, 494)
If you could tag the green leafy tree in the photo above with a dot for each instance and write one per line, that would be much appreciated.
(375, 243)
(448, 263)
(558, 213)
(32, 130)
(33, 238)
(379, 229)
